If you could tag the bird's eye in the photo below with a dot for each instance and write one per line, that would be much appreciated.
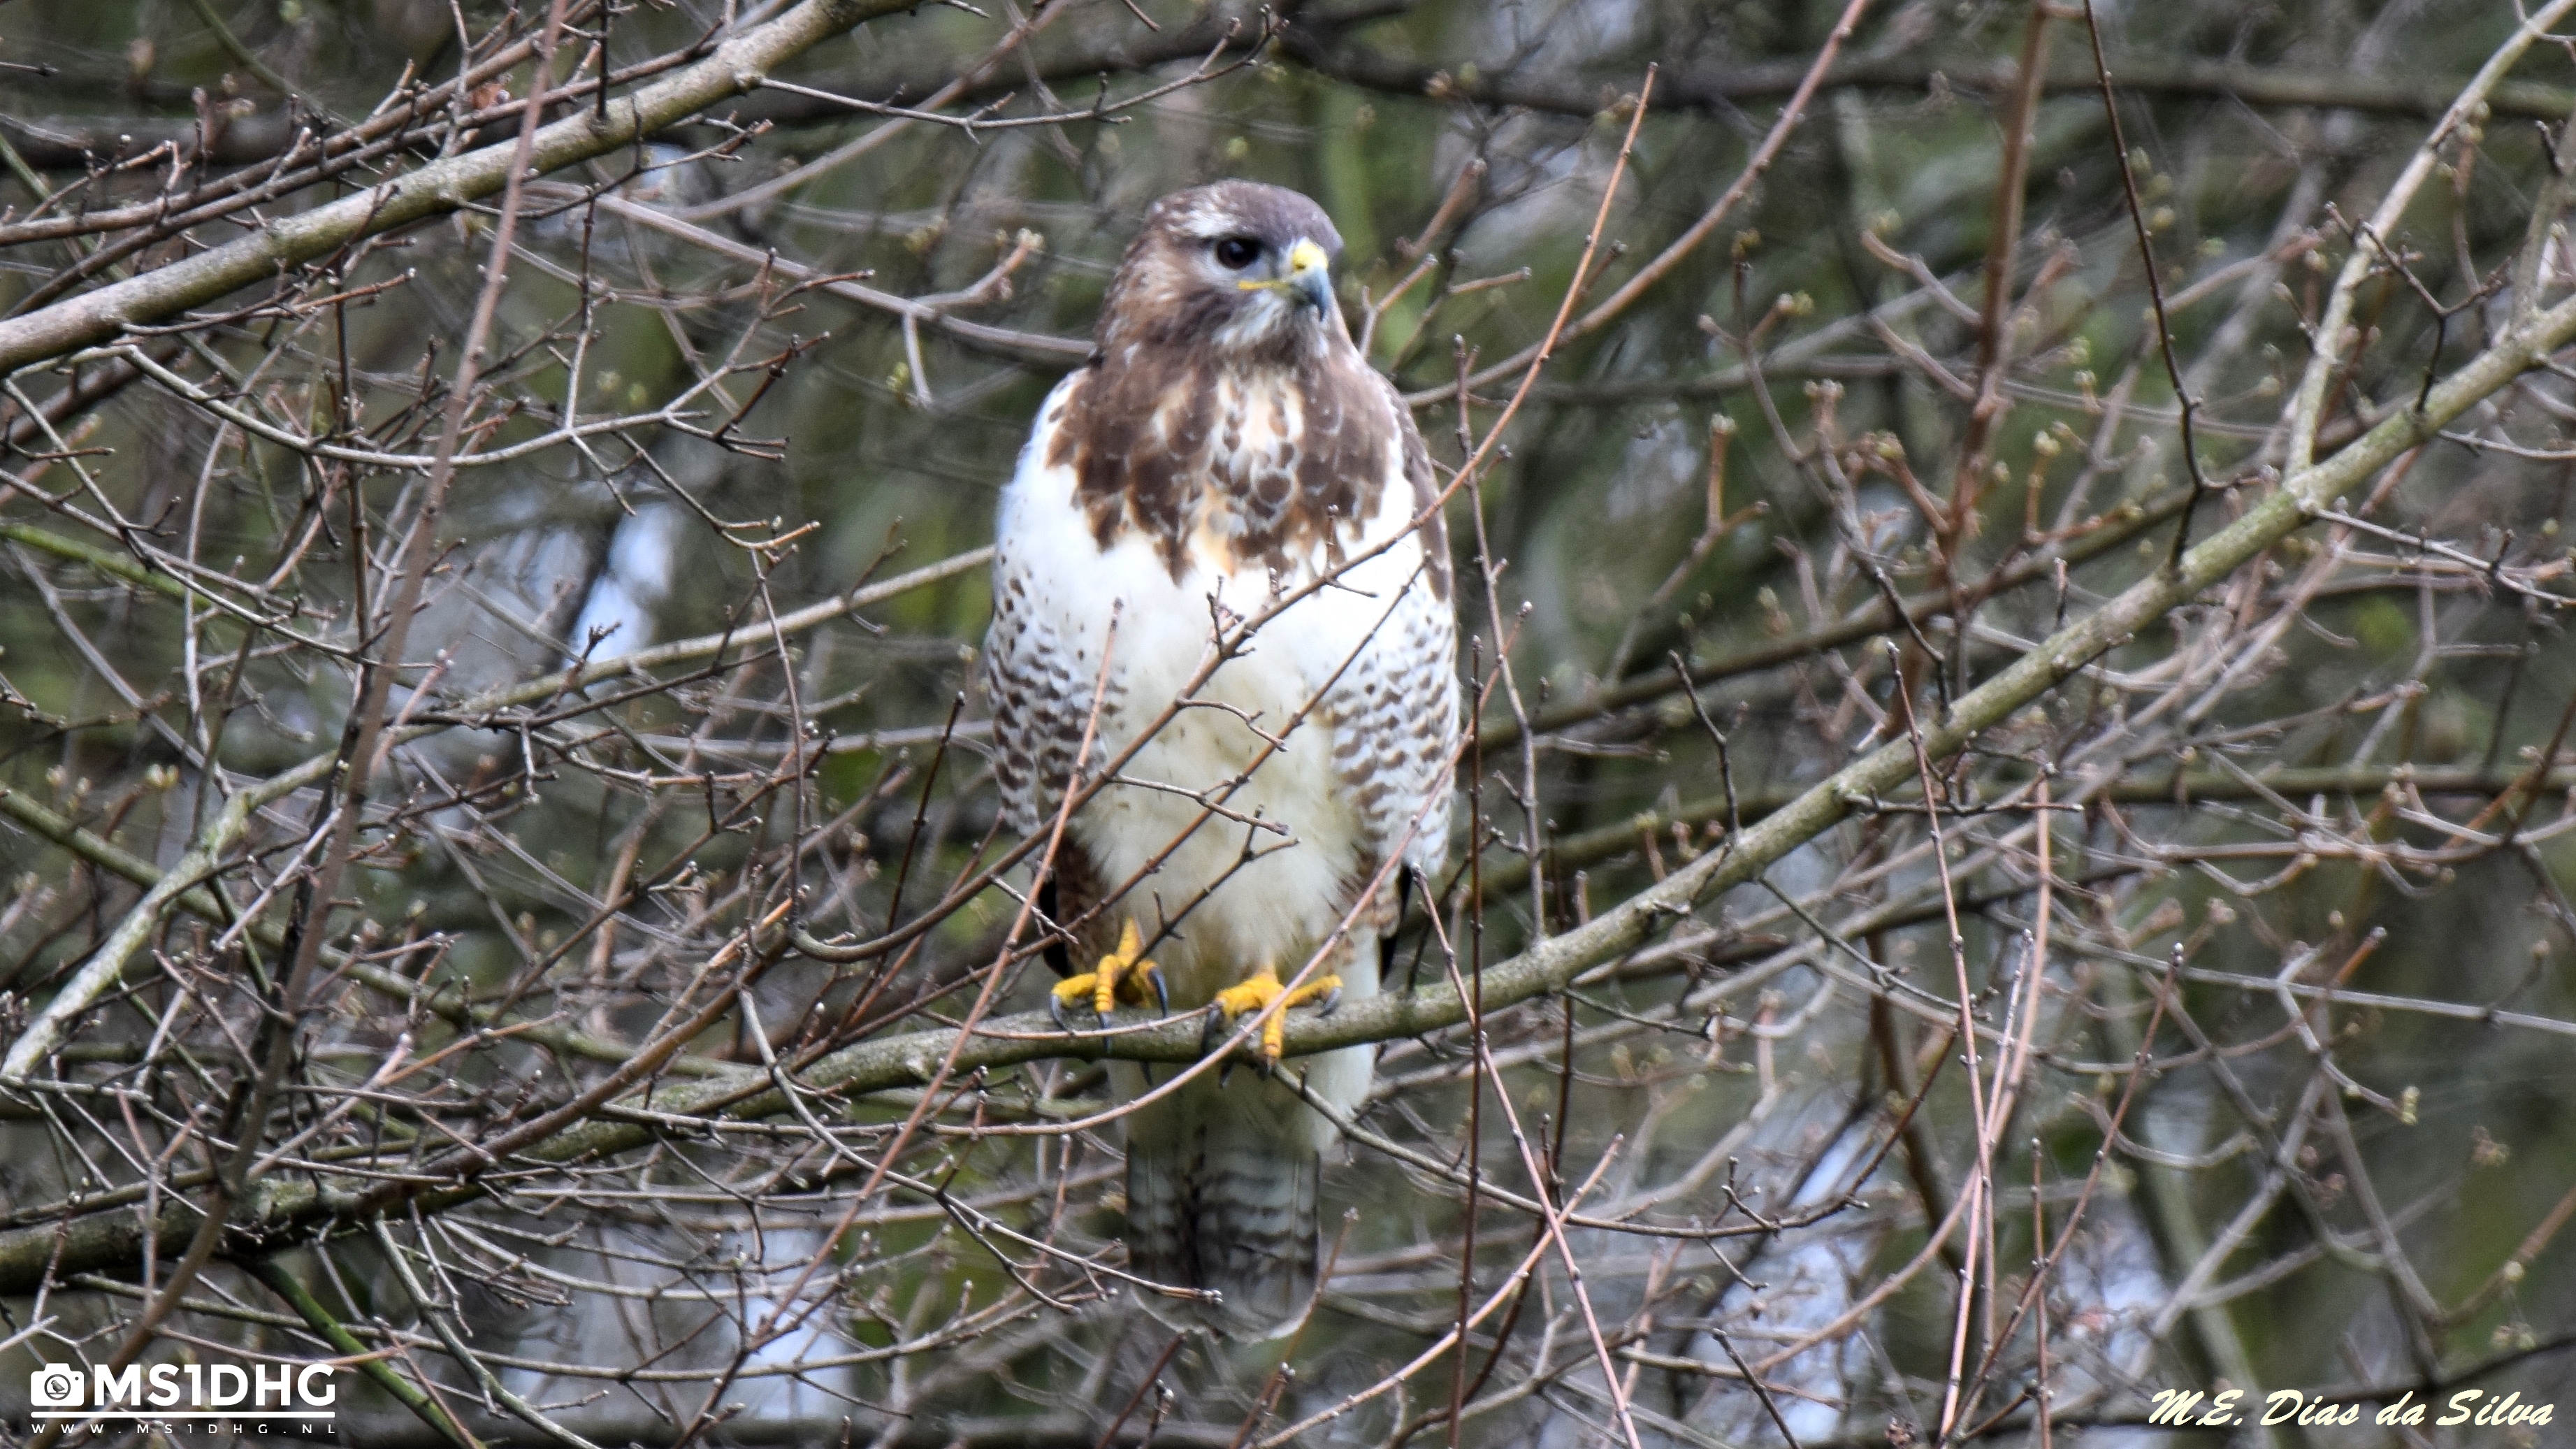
(1234, 253)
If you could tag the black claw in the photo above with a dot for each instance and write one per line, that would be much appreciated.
(1162, 998)
(1211, 1035)
(1331, 1002)
(1055, 1008)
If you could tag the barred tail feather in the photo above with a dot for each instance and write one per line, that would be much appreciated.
(1221, 1194)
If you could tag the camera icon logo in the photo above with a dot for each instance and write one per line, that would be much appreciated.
(55, 1386)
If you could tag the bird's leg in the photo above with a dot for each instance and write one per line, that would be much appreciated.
(1257, 992)
(1123, 975)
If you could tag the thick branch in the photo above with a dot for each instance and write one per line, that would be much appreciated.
(736, 67)
(2176, 791)
(1872, 619)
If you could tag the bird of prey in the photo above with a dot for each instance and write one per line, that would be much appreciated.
(1227, 459)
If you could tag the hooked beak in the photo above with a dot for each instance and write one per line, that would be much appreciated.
(1310, 276)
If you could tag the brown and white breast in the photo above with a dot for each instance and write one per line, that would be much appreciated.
(1354, 679)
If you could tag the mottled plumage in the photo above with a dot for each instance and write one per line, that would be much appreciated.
(1227, 444)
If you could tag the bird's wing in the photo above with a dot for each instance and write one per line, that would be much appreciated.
(1394, 708)
(1041, 668)
(1036, 649)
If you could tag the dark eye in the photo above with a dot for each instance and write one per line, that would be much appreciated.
(1235, 253)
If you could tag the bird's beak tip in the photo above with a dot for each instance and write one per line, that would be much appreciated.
(1310, 275)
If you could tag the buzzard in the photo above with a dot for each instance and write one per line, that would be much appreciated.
(1225, 447)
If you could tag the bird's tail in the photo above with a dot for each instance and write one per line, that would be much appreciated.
(1221, 1195)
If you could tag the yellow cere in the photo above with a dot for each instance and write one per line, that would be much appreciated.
(1304, 257)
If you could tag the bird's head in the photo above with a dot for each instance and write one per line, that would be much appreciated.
(1238, 267)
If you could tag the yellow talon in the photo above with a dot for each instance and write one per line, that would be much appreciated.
(1123, 975)
(1258, 992)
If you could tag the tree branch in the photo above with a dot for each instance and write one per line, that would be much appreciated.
(434, 190)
